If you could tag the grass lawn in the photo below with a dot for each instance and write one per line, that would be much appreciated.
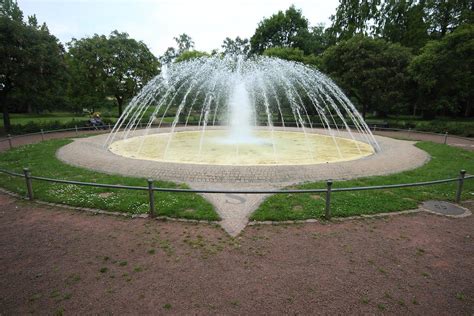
(41, 160)
(446, 162)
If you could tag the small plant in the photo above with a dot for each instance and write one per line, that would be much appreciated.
(460, 296)
(167, 306)
(151, 251)
(123, 263)
(420, 251)
(138, 269)
(381, 307)
(103, 270)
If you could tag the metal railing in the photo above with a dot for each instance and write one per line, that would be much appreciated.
(151, 188)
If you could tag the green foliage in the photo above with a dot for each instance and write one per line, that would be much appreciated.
(294, 54)
(352, 17)
(238, 46)
(372, 72)
(441, 125)
(42, 161)
(32, 67)
(184, 42)
(444, 16)
(116, 66)
(190, 54)
(444, 73)
(403, 22)
(441, 166)
(283, 29)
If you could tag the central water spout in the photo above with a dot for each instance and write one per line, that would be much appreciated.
(240, 114)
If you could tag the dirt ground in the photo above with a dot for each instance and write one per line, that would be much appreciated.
(58, 261)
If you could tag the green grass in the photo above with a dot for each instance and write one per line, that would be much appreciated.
(62, 117)
(446, 162)
(41, 160)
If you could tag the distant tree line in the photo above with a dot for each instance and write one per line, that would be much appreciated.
(390, 57)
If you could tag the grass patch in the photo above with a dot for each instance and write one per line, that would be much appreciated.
(42, 161)
(446, 162)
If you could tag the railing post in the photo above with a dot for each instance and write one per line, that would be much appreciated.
(446, 138)
(462, 174)
(375, 128)
(151, 196)
(109, 125)
(42, 135)
(29, 185)
(10, 141)
(76, 130)
(328, 200)
(409, 133)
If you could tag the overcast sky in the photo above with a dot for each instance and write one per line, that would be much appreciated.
(156, 22)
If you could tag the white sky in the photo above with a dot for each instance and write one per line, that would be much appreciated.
(156, 22)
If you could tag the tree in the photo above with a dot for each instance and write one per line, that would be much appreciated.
(116, 66)
(293, 54)
(371, 71)
(190, 54)
(184, 42)
(353, 17)
(31, 63)
(445, 16)
(284, 29)
(403, 22)
(318, 39)
(444, 74)
(169, 55)
(238, 46)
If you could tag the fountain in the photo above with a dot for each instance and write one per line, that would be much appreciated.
(231, 123)
(236, 111)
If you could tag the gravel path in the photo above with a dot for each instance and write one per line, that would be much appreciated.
(55, 261)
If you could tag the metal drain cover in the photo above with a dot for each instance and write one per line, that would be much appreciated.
(444, 208)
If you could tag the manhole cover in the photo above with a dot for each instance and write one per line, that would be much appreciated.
(443, 208)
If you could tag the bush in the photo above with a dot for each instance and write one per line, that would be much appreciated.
(33, 127)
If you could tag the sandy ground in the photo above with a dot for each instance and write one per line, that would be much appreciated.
(55, 261)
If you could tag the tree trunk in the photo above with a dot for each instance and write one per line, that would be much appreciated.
(3, 101)
(119, 103)
(364, 111)
(6, 115)
(467, 113)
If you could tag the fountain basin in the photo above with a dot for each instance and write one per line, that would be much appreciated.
(90, 152)
(213, 147)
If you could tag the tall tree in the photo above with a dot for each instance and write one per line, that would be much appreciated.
(31, 62)
(283, 29)
(184, 42)
(444, 16)
(116, 66)
(444, 74)
(403, 21)
(237, 46)
(371, 71)
(354, 17)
